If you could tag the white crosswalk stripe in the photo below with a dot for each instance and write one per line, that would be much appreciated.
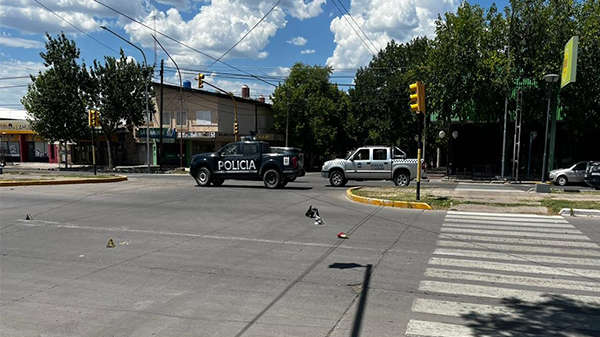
(526, 234)
(456, 309)
(518, 257)
(505, 219)
(515, 228)
(518, 240)
(515, 248)
(533, 291)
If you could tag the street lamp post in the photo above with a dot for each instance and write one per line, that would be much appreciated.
(180, 102)
(145, 93)
(532, 136)
(550, 79)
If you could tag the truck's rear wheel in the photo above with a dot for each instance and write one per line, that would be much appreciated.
(203, 177)
(337, 179)
(401, 178)
(272, 178)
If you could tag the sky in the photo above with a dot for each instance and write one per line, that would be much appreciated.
(207, 36)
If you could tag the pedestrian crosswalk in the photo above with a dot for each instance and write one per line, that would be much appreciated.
(509, 275)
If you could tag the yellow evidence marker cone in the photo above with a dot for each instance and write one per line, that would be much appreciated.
(110, 244)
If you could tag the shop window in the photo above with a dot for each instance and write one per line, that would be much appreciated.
(12, 149)
(203, 117)
(166, 115)
(41, 149)
(181, 118)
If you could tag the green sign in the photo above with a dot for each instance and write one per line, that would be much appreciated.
(569, 69)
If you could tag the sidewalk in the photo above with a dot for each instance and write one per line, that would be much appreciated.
(86, 168)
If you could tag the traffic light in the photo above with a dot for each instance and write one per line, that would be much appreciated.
(200, 79)
(94, 118)
(235, 128)
(417, 97)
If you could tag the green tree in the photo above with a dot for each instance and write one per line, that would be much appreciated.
(313, 109)
(468, 65)
(118, 93)
(380, 111)
(55, 99)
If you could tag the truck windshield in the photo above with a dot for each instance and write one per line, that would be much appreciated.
(350, 153)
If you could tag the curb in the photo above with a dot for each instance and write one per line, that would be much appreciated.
(383, 202)
(63, 182)
(579, 212)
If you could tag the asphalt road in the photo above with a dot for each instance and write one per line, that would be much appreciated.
(241, 260)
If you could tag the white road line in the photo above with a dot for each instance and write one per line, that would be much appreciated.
(498, 292)
(513, 248)
(504, 218)
(435, 329)
(524, 234)
(515, 228)
(513, 280)
(512, 215)
(460, 309)
(509, 223)
(518, 257)
(513, 267)
(41, 223)
(520, 241)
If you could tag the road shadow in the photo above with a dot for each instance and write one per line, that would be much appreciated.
(362, 302)
(557, 316)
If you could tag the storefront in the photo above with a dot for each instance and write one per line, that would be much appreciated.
(18, 143)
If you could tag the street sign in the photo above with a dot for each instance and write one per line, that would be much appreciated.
(569, 68)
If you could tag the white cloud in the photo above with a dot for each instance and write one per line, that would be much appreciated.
(308, 51)
(298, 41)
(220, 24)
(20, 43)
(280, 71)
(382, 21)
(28, 17)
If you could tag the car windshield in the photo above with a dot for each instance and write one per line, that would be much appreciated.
(350, 153)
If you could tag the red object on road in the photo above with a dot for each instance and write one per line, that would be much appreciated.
(343, 235)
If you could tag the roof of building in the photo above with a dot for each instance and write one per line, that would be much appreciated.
(16, 114)
(214, 94)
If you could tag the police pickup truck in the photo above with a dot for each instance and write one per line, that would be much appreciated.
(372, 163)
(247, 160)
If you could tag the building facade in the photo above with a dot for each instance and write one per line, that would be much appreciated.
(18, 143)
(201, 121)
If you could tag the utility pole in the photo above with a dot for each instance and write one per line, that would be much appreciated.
(160, 118)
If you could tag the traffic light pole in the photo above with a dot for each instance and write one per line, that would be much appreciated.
(421, 120)
(94, 148)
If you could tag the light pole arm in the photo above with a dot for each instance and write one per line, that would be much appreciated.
(146, 92)
(180, 101)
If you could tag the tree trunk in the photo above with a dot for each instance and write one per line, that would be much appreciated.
(109, 147)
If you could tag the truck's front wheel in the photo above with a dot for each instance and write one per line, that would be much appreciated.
(203, 177)
(272, 178)
(337, 179)
(401, 178)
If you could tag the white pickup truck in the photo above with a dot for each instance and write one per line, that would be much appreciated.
(372, 163)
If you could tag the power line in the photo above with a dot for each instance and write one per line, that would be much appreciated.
(354, 29)
(14, 86)
(13, 78)
(243, 37)
(357, 25)
(177, 41)
(72, 25)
